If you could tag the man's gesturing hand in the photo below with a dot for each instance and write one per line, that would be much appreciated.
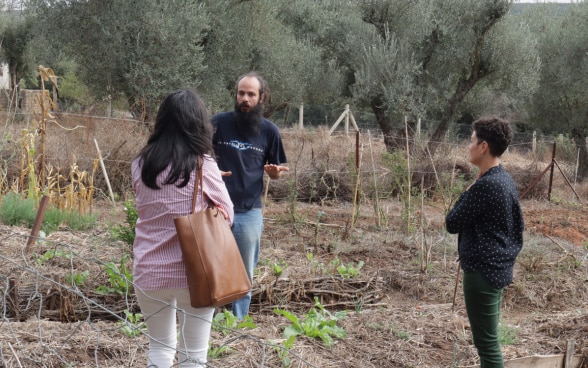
(275, 171)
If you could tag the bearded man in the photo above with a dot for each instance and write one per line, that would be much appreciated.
(247, 145)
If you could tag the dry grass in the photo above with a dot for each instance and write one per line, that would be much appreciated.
(323, 168)
(408, 320)
(70, 144)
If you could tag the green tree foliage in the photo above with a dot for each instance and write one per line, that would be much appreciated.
(73, 95)
(421, 59)
(428, 59)
(451, 48)
(15, 34)
(250, 36)
(141, 50)
(560, 105)
(138, 50)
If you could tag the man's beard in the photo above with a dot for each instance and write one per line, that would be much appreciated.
(249, 122)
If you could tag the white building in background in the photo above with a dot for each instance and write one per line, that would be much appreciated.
(4, 76)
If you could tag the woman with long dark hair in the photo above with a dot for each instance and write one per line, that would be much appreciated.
(164, 174)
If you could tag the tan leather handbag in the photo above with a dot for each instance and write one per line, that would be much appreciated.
(214, 267)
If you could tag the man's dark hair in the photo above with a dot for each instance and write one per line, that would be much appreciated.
(263, 87)
(495, 131)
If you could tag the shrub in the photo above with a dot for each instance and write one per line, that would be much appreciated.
(16, 210)
(126, 232)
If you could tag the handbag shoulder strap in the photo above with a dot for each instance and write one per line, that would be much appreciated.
(198, 187)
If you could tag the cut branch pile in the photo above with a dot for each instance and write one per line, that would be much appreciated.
(49, 299)
(334, 292)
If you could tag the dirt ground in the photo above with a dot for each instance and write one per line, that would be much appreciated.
(398, 315)
(403, 307)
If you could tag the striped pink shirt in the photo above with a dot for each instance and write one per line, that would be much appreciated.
(157, 254)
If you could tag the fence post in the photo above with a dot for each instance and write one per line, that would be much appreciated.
(551, 173)
(301, 117)
(347, 119)
(408, 176)
(577, 168)
(343, 115)
(534, 149)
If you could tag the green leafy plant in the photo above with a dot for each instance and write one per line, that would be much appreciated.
(404, 335)
(76, 278)
(120, 278)
(333, 264)
(316, 267)
(278, 267)
(283, 350)
(312, 191)
(507, 335)
(450, 185)
(398, 165)
(226, 321)
(126, 232)
(217, 352)
(318, 323)
(132, 325)
(50, 254)
(320, 215)
(351, 270)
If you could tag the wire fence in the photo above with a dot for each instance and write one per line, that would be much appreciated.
(50, 320)
(70, 141)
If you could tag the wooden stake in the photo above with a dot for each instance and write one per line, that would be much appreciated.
(456, 283)
(265, 193)
(104, 172)
(571, 348)
(38, 221)
(357, 170)
(408, 181)
(377, 204)
(14, 297)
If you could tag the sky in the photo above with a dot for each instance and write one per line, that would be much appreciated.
(546, 1)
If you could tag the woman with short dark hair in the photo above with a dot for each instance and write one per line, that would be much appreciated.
(489, 221)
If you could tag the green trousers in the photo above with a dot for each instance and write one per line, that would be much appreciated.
(482, 303)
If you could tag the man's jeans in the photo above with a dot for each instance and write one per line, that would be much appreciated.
(247, 227)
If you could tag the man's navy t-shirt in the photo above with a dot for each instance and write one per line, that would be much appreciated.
(245, 157)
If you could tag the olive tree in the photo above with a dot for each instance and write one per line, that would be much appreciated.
(136, 50)
(249, 36)
(15, 34)
(422, 58)
(560, 105)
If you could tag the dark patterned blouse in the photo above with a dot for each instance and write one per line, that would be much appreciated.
(489, 221)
